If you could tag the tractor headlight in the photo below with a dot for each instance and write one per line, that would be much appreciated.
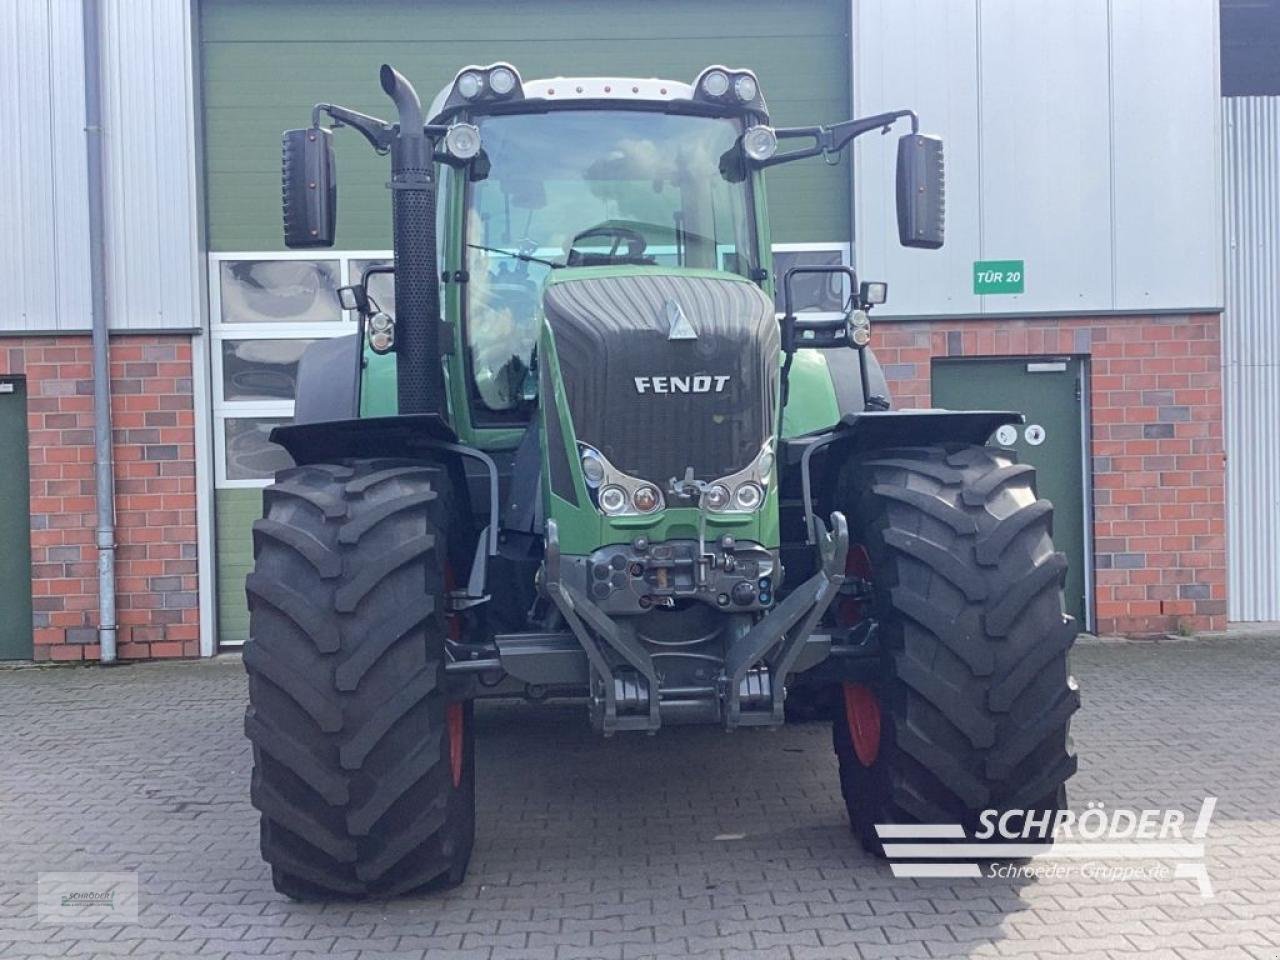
(764, 465)
(715, 497)
(859, 328)
(617, 494)
(462, 141)
(382, 333)
(715, 84)
(592, 468)
(646, 498)
(745, 87)
(748, 496)
(744, 491)
(613, 500)
(470, 84)
(502, 80)
(759, 143)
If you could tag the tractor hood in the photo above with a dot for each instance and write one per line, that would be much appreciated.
(665, 371)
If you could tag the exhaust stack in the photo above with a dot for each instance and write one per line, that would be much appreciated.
(420, 380)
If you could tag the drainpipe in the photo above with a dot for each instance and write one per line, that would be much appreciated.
(104, 485)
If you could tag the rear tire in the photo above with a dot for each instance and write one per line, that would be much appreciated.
(363, 773)
(971, 706)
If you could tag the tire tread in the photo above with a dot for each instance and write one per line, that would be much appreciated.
(974, 688)
(347, 704)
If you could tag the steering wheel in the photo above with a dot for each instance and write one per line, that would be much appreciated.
(618, 234)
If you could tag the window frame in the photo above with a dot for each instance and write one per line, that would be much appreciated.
(223, 409)
(846, 260)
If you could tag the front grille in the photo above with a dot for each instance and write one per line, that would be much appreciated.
(656, 407)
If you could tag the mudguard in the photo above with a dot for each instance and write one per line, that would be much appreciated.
(913, 428)
(823, 451)
(328, 381)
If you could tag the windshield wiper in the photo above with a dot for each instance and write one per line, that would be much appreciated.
(515, 255)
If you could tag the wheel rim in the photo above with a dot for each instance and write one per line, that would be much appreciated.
(452, 621)
(862, 714)
(455, 722)
(454, 719)
(850, 611)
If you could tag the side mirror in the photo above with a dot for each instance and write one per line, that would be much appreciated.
(816, 334)
(921, 191)
(354, 297)
(310, 192)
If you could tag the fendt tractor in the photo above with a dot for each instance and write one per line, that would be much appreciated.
(582, 456)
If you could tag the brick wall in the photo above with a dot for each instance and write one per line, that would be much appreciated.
(1159, 520)
(153, 425)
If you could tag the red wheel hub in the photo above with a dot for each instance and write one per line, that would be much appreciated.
(455, 721)
(862, 713)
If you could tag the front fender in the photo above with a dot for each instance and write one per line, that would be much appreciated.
(328, 381)
(914, 428)
(823, 452)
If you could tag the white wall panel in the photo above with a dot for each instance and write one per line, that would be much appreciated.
(153, 254)
(1045, 184)
(917, 54)
(1251, 355)
(1082, 137)
(148, 107)
(1166, 110)
(43, 218)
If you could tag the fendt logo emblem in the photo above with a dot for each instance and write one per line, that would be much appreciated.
(698, 383)
(678, 324)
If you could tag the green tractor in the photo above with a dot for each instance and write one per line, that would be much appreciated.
(573, 451)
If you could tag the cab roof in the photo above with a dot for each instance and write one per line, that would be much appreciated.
(601, 91)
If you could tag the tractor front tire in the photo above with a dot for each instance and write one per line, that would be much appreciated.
(362, 771)
(971, 706)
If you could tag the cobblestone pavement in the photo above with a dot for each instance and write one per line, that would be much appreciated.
(691, 843)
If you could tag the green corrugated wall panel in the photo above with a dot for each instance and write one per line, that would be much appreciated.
(236, 511)
(265, 64)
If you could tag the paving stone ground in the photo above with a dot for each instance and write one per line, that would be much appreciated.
(693, 843)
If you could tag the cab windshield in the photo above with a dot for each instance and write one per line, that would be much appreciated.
(588, 189)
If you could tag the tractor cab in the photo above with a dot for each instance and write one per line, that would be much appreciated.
(586, 174)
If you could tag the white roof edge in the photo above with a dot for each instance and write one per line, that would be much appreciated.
(604, 88)
(558, 89)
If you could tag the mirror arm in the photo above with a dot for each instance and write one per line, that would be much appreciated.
(841, 134)
(379, 133)
(837, 136)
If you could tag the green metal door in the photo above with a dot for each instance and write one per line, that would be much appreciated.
(1048, 391)
(15, 523)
